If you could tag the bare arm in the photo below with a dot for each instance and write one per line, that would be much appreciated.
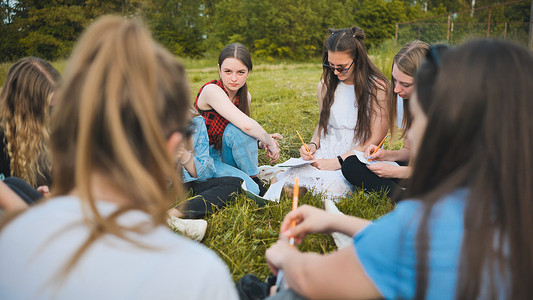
(378, 124)
(9, 200)
(214, 97)
(313, 220)
(378, 128)
(338, 275)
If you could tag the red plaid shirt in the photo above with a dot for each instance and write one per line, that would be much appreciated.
(215, 123)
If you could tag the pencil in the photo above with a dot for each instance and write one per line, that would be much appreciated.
(379, 146)
(304, 144)
(295, 190)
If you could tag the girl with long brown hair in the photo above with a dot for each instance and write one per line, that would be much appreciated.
(121, 115)
(381, 176)
(352, 104)
(467, 233)
(234, 137)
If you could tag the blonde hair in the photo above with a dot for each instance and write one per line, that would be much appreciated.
(122, 95)
(24, 105)
(408, 59)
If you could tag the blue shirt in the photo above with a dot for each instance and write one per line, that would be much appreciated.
(205, 167)
(386, 248)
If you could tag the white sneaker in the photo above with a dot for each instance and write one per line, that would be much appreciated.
(267, 173)
(192, 228)
(330, 207)
(341, 240)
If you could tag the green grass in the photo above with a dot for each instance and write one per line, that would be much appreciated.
(283, 100)
(241, 232)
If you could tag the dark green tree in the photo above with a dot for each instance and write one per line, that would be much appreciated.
(179, 25)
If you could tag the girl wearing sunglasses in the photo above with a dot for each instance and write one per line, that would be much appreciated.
(352, 104)
(383, 176)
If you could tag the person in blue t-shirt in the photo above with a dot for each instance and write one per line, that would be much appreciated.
(467, 232)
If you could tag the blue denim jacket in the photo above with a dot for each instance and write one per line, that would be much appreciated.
(205, 167)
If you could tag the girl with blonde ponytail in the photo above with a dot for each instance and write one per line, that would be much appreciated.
(121, 115)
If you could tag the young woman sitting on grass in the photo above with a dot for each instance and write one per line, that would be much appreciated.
(25, 101)
(233, 136)
(467, 233)
(208, 192)
(382, 176)
(352, 104)
(121, 115)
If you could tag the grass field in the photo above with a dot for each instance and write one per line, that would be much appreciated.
(283, 100)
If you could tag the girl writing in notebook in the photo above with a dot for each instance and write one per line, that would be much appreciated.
(352, 104)
(382, 176)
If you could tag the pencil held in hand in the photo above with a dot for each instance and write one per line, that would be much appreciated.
(294, 206)
(379, 146)
(308, 151)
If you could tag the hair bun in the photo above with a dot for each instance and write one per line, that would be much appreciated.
(357, 33)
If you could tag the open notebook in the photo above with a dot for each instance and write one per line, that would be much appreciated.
(362, 158)
(272, 194)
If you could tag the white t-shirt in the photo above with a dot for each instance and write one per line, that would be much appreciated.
(35, 247)
(399, 111)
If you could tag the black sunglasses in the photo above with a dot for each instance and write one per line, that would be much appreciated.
(187, 130)
(341, 70)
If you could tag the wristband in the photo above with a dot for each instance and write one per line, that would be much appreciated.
(188, 159)
(340, 159)
(316, 146)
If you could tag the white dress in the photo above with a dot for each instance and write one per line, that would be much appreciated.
(339, 140)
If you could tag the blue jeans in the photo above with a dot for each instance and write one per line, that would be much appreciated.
(237, 157)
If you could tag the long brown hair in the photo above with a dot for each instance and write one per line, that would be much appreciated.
(478, 136)
(408, 59)
(24, 108)
(368, 79)
(238, 51)
(121, 96)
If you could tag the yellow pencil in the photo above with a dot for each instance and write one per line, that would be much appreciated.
(304, 144)
(379, 146)
(295, 190)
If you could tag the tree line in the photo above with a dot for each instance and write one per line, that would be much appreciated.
(292, 29)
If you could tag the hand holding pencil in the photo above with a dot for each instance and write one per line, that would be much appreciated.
(305, 151)
(371, 151)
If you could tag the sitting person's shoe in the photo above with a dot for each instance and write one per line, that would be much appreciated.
(267, 173)
(341, 240)
(191, 228)
(262, 189)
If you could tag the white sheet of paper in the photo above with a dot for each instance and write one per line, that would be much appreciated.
(295, 162)
(361, 157)
(274, 191)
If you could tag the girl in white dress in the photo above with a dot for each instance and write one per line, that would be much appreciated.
(352, 103)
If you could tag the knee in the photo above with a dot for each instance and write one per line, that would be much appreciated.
(237, 136)
(352, 170)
